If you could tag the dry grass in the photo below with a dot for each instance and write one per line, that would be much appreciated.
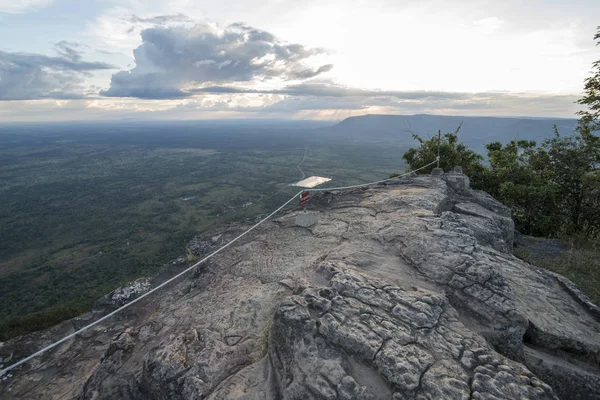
(191, 257)
(264, 339)
(580, 264)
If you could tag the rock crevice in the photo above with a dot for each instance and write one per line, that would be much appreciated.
(407, 290)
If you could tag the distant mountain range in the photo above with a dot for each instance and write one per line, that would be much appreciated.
(475, 132)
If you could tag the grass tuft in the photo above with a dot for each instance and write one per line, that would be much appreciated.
(580, 264)
(264, 340)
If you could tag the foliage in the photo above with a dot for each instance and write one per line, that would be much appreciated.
(551, 189)
(191, 257)
(590, 118)
(511, 178)
(452, 153)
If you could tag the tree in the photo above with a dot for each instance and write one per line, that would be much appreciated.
(590, 118)
(452, 154)
(513, 178)
(571, 163)
(589, 123)
(553, 189)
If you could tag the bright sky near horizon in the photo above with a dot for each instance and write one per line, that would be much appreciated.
(314, 59)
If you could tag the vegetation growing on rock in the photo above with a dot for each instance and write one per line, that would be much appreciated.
(552, 188)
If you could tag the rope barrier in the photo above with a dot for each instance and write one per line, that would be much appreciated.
(107, 316)
(5, 370)
(303, 158)
(369, 183)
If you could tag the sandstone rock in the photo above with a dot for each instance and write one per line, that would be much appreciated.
(306, 219)
(403, 291)
(199, 245)
(437, 171)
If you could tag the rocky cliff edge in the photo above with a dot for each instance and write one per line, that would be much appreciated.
(401, 291)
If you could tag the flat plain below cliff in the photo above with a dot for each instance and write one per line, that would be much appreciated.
(402, 291)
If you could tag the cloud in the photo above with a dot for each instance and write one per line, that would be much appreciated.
(238, 105)
(25, 76)
(327, 95)
(488, 25)
(69, 50)
(159, 19)
(172, 61)
(21, 6)
(329, 89)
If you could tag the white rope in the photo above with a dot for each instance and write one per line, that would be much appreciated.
(298, 166)
(5, 370)
(369, 183)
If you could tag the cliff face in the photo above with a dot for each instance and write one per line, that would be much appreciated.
(402, 291)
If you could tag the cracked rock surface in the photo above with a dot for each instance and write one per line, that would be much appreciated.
(403, 291)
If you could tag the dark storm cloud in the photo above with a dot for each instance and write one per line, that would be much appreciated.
(152, 85)
(171, 60)
(26, 76)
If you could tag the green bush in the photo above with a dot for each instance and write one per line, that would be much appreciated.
(452, 153)
(552, 189)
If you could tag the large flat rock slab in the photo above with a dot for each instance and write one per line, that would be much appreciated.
(407, 290)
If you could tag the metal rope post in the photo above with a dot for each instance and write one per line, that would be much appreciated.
(439, 140)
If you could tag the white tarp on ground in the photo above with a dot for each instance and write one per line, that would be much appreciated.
(311, 182)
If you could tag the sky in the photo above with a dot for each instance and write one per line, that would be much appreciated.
(66, 60)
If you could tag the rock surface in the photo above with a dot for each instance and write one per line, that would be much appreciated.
(122, 295)
(402, 291)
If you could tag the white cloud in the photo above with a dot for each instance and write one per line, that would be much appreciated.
(21, 6)
(394, 47)
(488, 25)
(401, 45)
(171, 61)
(262, 105)
(118, 29)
